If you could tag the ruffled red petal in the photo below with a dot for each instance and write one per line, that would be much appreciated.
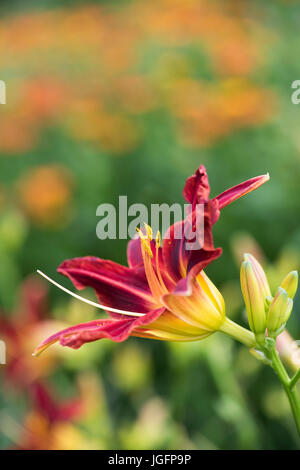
(116, 286)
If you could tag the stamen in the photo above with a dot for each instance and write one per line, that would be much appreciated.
(158, 239)
(90, 302)
(156, 288)
(145, 242)
(148, 230)
(160, 278)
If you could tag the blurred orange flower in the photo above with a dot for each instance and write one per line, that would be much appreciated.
(45, 193)
(89, 69)
(207, 112)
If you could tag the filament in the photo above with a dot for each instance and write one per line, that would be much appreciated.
(90, 302)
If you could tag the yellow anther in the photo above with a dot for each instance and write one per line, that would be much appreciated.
(146, 245)
(145, 242)
(148, 231)
(158, 239)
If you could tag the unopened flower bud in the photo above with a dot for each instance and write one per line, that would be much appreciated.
(254, 297)
(268, 301)
(261, 276)
(290, 284)
(279, 312)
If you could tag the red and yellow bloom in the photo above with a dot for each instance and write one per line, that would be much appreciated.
(163, 293)
(50, 422)
(22, 329)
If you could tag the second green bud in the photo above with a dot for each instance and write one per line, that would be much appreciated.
(255, 289)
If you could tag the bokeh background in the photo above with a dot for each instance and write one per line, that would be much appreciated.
(109, 98)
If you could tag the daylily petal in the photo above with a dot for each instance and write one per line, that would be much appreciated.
(159, 266)
(115, 329)
(116, 286)
(196, 189)
(211, 290)
(155, 333)
(33, 305)
(134, 253)
(177, 258)
(135, 259)
(169, 327)
(194, 306)
(173, 252)
(232, 194)
(55, 411)
(198, 259)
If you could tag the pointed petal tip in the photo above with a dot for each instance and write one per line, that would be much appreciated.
(258, 181)
(249, 257)
(246, 264)
(40, 349)
(281, 291)
(234, 193)
(36, 353)
(46, 344)
(265, 177)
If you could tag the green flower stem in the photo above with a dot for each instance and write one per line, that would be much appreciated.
(246, 337)
(295, 379)
(237, 332)
(288, 384)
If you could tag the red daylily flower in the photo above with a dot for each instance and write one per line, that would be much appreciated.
(21, 330)
(163, 293)
(48, 419)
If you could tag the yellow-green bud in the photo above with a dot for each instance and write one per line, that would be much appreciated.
(290, 284)
(254, 297)
(279, 312)
(260, 274)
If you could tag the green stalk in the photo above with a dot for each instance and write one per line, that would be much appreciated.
(246, 337)
(287, 383)
(295, 379)
(237, 332)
